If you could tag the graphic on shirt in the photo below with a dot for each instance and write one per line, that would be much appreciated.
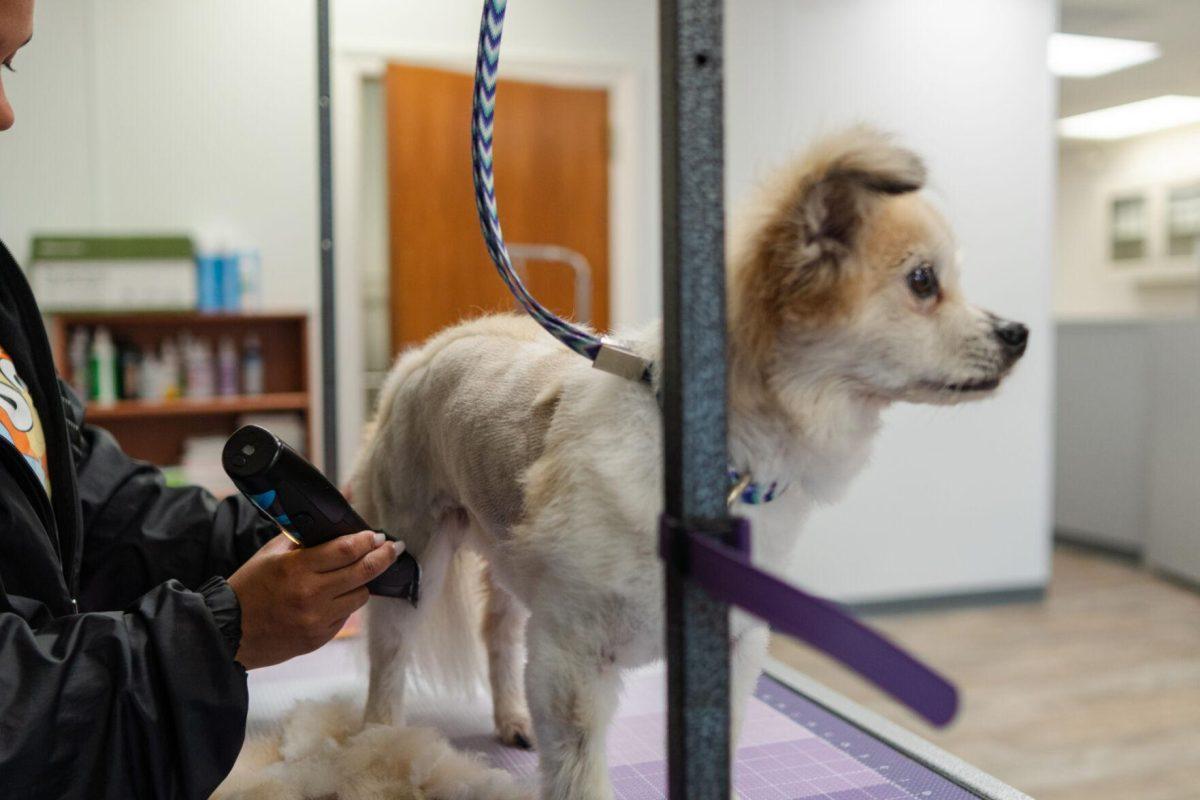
(19, 422)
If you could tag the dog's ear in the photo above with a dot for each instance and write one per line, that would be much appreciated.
(839, 182)
(788, 265)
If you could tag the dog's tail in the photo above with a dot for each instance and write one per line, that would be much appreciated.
(447, 647)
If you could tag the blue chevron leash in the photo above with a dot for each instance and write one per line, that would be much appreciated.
(604, 353)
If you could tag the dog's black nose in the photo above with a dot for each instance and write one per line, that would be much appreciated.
(1014, 336)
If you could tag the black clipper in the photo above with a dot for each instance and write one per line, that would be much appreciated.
(308, 508)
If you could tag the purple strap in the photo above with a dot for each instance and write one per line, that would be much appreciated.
(726, 573)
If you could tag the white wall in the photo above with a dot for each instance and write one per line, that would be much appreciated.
(1087, 284)
(1129, 439)
(1102, 432)
(1172, 496)
(170, 115)
(46, 160)
(955, 499)
(207, 121)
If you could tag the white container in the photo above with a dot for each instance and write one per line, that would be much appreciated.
(227, 367)
(170, 368)
(252, 366)
(152, 378)
(201, 370)
(250, 275)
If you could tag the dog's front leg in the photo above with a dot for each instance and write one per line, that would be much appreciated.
(748, 651)
(572, 689)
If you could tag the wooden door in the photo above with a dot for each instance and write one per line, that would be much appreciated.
(551, 151)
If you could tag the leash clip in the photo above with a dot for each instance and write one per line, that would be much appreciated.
(621, 361)
(736, 491)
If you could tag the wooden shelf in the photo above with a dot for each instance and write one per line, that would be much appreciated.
(157, 431)
(239, 404)
(176, 318)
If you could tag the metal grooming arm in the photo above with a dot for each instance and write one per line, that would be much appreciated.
(328, 333)
(693, 393)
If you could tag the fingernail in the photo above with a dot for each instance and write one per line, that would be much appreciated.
(379, 539)
(399, 548)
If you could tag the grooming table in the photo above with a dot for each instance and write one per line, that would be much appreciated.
(800, 741)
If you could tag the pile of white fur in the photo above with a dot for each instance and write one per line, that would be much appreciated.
(325, 753)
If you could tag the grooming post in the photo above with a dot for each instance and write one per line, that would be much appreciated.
(328, 307)
(694, 387)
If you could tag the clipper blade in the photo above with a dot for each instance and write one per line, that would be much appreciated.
(401, 580)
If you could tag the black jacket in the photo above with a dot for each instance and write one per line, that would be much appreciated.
(117, 628)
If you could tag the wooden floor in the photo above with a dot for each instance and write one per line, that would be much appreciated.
(1093, 694)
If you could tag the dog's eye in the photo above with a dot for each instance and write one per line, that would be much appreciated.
(923, 282)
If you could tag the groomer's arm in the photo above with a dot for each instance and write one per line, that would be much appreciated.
(139, 533)
(151, 701)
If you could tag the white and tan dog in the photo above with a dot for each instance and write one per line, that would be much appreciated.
(844, 297)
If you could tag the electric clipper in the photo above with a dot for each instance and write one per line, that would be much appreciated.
(309, 509)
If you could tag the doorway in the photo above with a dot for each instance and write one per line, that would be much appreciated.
(552, 173)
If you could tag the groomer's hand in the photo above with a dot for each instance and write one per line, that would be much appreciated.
(296, 599)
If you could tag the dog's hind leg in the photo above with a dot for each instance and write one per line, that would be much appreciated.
(391, 624)
(395, 627)
(504, 633)
(572, 689)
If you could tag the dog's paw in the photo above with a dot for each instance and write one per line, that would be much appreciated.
(516, 732)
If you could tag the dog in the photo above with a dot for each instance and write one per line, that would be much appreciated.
(493, 439)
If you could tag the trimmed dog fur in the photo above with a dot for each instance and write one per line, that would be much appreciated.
(493, 438)
(324, 753)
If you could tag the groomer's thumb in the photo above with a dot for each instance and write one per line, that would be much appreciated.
(280, 544)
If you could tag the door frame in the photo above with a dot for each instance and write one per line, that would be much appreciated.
(354, 65)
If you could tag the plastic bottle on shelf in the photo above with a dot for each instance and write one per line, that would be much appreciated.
(77, 352)
(252, 365)
(131, 364)
(151, 386)
(200, 371)
(209, 280)
(183, 344)
(131, 372)
(227, 367)
(169, 367)
(103, 368)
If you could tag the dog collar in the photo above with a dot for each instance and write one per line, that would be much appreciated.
(744, 489)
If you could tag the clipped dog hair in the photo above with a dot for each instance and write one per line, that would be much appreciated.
(324, 753)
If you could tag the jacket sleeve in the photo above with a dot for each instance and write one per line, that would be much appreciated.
(143, 703)
(139, 533)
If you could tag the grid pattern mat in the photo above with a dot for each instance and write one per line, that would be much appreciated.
(790, 749)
